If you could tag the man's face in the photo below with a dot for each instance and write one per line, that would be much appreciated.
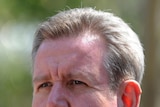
(68, 72)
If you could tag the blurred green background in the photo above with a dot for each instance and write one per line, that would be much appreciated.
(20, 18)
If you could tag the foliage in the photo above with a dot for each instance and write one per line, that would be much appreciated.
(33, 9)
(15, 80)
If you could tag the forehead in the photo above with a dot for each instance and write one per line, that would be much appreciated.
(70, 51)
(83, 43)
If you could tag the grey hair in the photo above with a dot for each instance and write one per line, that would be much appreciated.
(125, 59)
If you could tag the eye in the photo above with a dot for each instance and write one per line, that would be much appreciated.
(45, 85)
(76, 82)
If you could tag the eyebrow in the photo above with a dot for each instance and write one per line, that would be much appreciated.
(75, 74)
(80, 73)
(40, 78)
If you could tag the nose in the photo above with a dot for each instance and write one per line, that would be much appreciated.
(57, 97)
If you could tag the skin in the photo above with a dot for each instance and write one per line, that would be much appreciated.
(68, 72)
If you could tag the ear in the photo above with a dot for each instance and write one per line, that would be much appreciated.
(129, 94)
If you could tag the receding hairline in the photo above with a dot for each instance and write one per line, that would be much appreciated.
(62, 24)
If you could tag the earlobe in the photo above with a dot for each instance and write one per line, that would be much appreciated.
(130, 93)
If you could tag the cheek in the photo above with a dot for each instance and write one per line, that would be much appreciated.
(38, 101)
(94, 100)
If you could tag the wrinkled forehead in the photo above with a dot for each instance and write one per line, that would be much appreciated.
(89, 45)
(69, 53)
(83, 42)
